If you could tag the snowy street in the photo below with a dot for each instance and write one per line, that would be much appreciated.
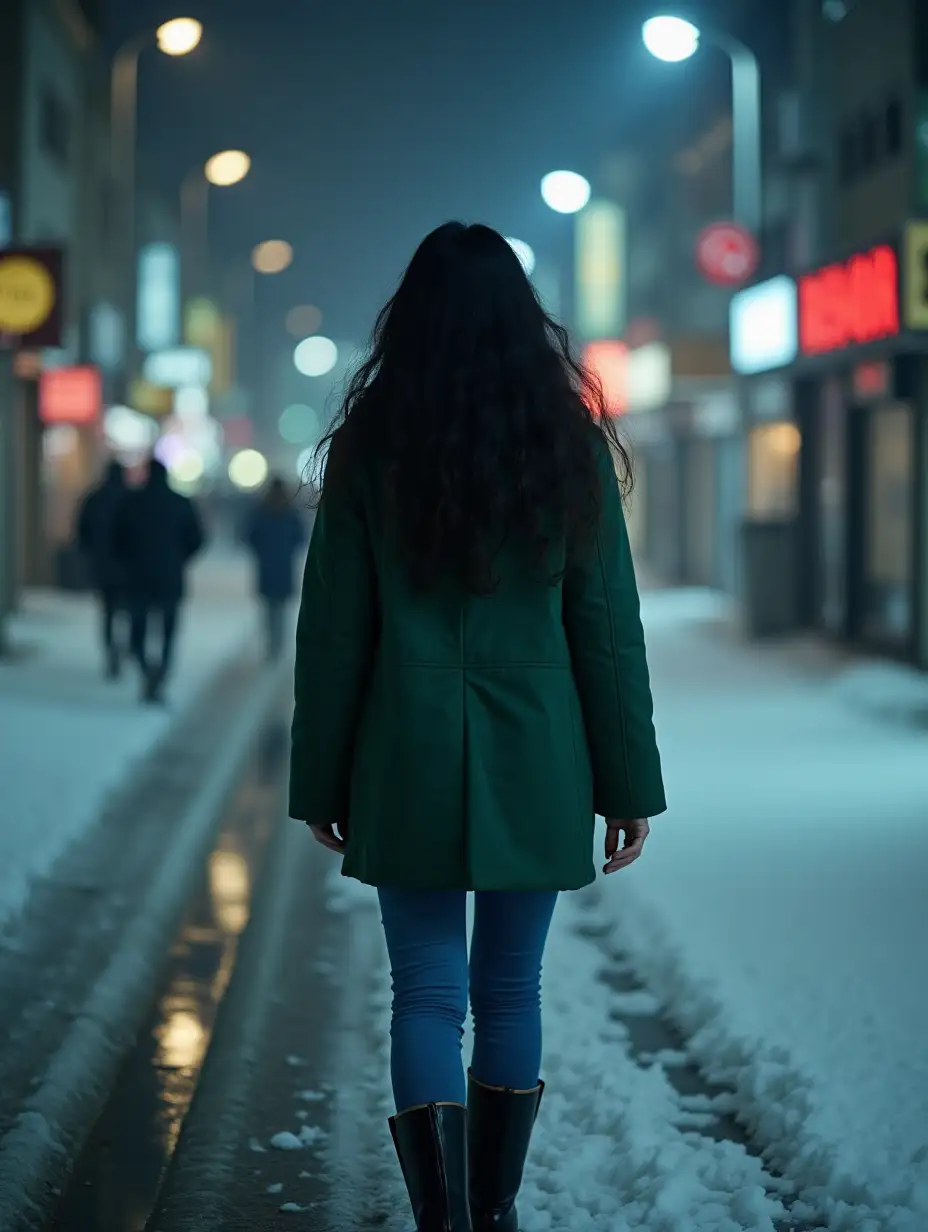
(734, 1027)
(70, 739)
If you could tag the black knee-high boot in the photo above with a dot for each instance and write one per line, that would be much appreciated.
(431, 1143)
(499, 1129)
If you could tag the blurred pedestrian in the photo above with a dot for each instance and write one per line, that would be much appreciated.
(96, 525)
(275, 534)
(157, 534)
(471, 689)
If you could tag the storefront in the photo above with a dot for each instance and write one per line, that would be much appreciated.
(845, 453)
(686, 436)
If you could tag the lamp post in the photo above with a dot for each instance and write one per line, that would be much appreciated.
(222, 170)
(177, 37)
(673, 38)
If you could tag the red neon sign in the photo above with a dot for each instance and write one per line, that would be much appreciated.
(850, 302)
(608, 362)
(70, 396)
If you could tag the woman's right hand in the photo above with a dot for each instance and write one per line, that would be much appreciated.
(635, 834)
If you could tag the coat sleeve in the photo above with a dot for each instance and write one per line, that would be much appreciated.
(335, 643)
(606, 640)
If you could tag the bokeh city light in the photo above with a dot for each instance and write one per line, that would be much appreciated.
(272, 257)
(227, 167)
(565, 192)
(298, 424)
(303, 320)
(670, 38)
(179, 36)
(248, 469)
(315, 356)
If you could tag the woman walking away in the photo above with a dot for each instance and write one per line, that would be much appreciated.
(275, 534)
(471, 690)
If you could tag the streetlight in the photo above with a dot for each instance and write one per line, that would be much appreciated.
(177, 37)
(221, 170)
(672, 38)
(565, 192)
(226, 168)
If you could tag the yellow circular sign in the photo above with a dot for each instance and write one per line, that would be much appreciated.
(27, 295)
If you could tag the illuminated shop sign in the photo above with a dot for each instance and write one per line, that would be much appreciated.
(650, 377)
(763, 326)
(600, 271)
(178, 366)
(608, 361)
(158, 306)
(71, 396)
(850, 302)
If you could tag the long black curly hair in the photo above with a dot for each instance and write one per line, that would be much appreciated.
(482, 422)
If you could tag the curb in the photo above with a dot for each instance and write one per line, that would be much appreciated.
(37, 1153)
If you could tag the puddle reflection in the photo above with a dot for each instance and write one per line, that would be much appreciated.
(115, 1184)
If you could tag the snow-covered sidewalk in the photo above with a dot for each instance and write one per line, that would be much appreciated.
(68, 739)
(780, 917)
(782, 908)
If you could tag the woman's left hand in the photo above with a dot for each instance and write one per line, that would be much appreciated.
(328, 838)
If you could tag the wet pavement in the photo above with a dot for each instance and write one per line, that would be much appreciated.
(76, 917)
(257, 1094)
(117, 1180)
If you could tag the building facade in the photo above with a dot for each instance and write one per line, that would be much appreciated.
(834, 351)
(54, 175)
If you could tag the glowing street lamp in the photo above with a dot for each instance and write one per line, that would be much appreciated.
(227, 167)
(179, 36)
(672, 38)
(222, 170)
(565, 192)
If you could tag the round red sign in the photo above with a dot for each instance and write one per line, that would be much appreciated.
(727, 254)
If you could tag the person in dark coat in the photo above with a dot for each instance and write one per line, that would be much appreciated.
(471, 690)
(95, 529)
(275, 534)
(158, 533)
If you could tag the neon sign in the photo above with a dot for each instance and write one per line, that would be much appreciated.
(851, 302)
(608, 362)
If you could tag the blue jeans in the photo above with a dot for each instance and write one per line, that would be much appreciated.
(426, 932)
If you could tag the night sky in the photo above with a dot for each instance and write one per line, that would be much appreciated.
(371, 122)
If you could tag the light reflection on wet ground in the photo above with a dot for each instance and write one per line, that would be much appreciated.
(116, 1182)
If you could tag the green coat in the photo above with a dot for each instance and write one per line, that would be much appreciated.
(468, 742)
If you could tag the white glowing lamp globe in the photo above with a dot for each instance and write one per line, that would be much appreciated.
(524, 252)
(315, 356)
(248, 469)
(671, 39)
(565, 192)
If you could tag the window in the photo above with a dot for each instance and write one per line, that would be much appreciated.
(55, 127)
(892, 120)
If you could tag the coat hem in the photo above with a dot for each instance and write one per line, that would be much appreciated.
(468, 884)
